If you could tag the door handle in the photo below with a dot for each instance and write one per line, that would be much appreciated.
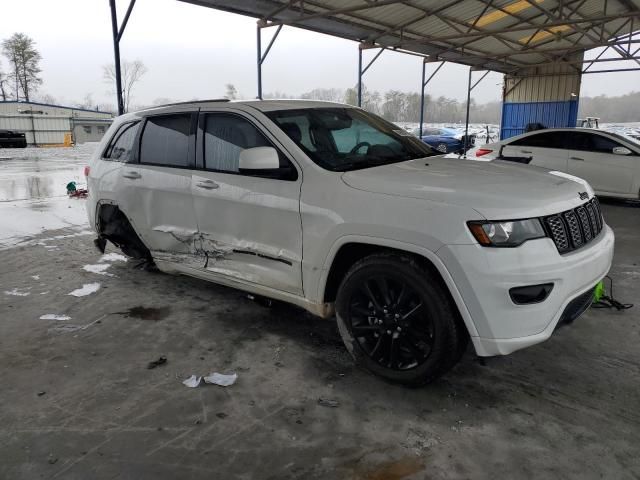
(577, 158)
(207, 184)
(526, 151)
(132, 174)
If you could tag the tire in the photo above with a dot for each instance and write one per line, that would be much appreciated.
(442, 147)
(418, 339)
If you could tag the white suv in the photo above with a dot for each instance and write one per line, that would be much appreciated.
(337, 210)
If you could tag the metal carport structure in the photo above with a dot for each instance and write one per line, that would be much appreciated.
(532, 40)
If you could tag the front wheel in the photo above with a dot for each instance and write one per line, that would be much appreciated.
(397, 321)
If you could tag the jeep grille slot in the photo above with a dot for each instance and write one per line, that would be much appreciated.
(575, 228)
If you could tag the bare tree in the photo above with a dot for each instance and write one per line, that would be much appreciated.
(131, 73)
(47, 98)
(86, 103)
(232, 92)
(25, 62)
(4, 87)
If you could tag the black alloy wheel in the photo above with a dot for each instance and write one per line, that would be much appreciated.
(397, 319)
(387, 318)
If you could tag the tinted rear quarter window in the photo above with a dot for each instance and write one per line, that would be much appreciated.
(165, 140)
(543, 140)
(121, 146)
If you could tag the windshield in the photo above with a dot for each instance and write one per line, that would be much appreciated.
(624, 137)
(341, 139)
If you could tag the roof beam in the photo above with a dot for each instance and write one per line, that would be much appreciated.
(484, 33)
(433, 41)
(336, 11)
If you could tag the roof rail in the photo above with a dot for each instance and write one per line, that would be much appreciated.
(192, 101)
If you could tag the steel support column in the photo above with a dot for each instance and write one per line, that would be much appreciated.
(469, 89)
(260, 56)
(359, 76)
(116, 56)
(423, 84)
(466, 124)
(362, 71)
(117, 35)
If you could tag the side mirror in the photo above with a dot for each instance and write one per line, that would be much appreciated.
(259, 158)
(622, 151)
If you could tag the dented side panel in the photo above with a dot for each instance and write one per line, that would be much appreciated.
(159, 206)
(249, 229)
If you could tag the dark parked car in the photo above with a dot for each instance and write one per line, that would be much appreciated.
(11, 139)
(445, 140)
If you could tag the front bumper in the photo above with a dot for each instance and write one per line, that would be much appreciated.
(484, 276)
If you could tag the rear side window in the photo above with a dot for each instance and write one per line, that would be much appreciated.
(121, 146)
(543, 140)
(165, 140)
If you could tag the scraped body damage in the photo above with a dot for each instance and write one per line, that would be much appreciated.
(233, 231)
(250, 229)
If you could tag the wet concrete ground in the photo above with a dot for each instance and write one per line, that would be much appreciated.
(78, 401)
(33, 190)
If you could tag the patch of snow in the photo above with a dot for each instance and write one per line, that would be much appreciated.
(87, 289)
(100, 269)
(16, 293)
(53, 316)
(35, 277)
(112, 257)
(44, 293)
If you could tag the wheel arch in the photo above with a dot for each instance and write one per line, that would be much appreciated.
(112, 223)
(349, 249)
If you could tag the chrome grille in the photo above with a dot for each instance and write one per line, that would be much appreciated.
(575, 228)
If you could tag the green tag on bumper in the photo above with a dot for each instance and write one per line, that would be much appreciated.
(598, 292)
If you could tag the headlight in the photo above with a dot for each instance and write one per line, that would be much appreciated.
(506, 234)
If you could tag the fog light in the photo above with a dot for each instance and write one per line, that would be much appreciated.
(530, 294)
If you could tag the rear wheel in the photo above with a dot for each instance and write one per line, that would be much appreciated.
(397, 321)
(442, 147)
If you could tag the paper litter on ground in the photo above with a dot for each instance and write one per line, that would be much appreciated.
(221, 379)
(53, 316)
(100, 269)
(214, 378)
(87, 289)
(16, 293)
(192, 381)
(112, 257)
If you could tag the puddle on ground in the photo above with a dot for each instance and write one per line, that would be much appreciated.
(148, 313)
(394, 470)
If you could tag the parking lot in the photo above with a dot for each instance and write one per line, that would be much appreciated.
(78, 400)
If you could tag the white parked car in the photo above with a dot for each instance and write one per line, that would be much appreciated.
(336, 210)
(608, 161)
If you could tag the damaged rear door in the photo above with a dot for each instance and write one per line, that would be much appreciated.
(159, 186)
(248, 222)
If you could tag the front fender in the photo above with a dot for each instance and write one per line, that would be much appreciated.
(403, 246)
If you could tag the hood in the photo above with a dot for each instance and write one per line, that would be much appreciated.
(497, 190)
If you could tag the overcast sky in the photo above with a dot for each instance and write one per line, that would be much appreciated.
(192, 52)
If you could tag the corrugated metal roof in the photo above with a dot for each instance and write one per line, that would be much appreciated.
(501, 35)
